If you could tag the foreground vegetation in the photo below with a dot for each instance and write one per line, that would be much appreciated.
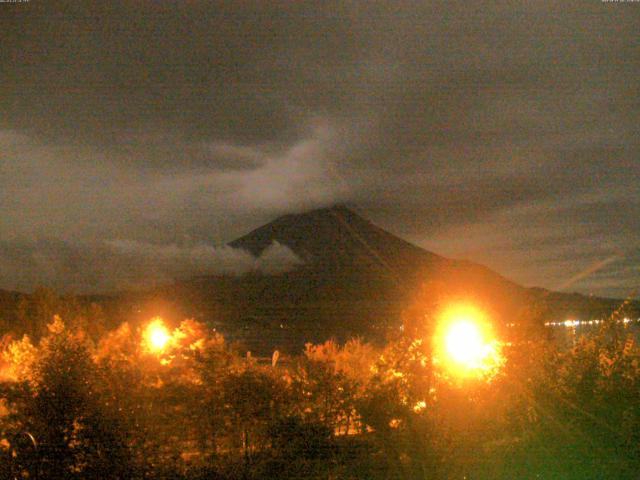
(83, 403)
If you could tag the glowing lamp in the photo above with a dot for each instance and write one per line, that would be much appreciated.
(465, 344)
(156, 336)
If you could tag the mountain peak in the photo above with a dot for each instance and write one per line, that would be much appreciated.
(338, 210)
(335, 237)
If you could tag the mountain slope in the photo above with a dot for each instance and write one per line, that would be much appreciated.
(337, 238)
(356, 279)
(338, 243)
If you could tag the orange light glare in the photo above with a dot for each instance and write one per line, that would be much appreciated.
(465, 344)
(156, 336)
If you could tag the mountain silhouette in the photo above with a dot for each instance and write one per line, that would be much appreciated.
(353, 278)
(340, 246)
(337, 238)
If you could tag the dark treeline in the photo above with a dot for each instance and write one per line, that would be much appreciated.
(80, 400)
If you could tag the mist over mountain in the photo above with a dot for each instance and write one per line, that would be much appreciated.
(325, 273)
(357, 279)
(109, 265)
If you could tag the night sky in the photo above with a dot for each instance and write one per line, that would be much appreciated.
(137, 136)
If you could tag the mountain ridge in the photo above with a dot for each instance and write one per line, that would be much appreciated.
(355, 279)
(330, 235)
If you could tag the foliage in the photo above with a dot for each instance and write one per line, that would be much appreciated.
(35, 311)
(77, 406)
(62, 407)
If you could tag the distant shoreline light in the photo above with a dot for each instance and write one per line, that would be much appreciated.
(569, 323)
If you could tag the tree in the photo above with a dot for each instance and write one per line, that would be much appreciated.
(253, 400)
(62, 405)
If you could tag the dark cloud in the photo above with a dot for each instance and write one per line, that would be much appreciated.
(503, 133)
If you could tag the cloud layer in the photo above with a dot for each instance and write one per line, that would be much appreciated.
(506, 134)
(123, 264)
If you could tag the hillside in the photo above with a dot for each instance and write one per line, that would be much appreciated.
(357, 278)
(354, 279)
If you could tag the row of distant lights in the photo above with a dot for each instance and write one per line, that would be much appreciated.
(577, 323)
